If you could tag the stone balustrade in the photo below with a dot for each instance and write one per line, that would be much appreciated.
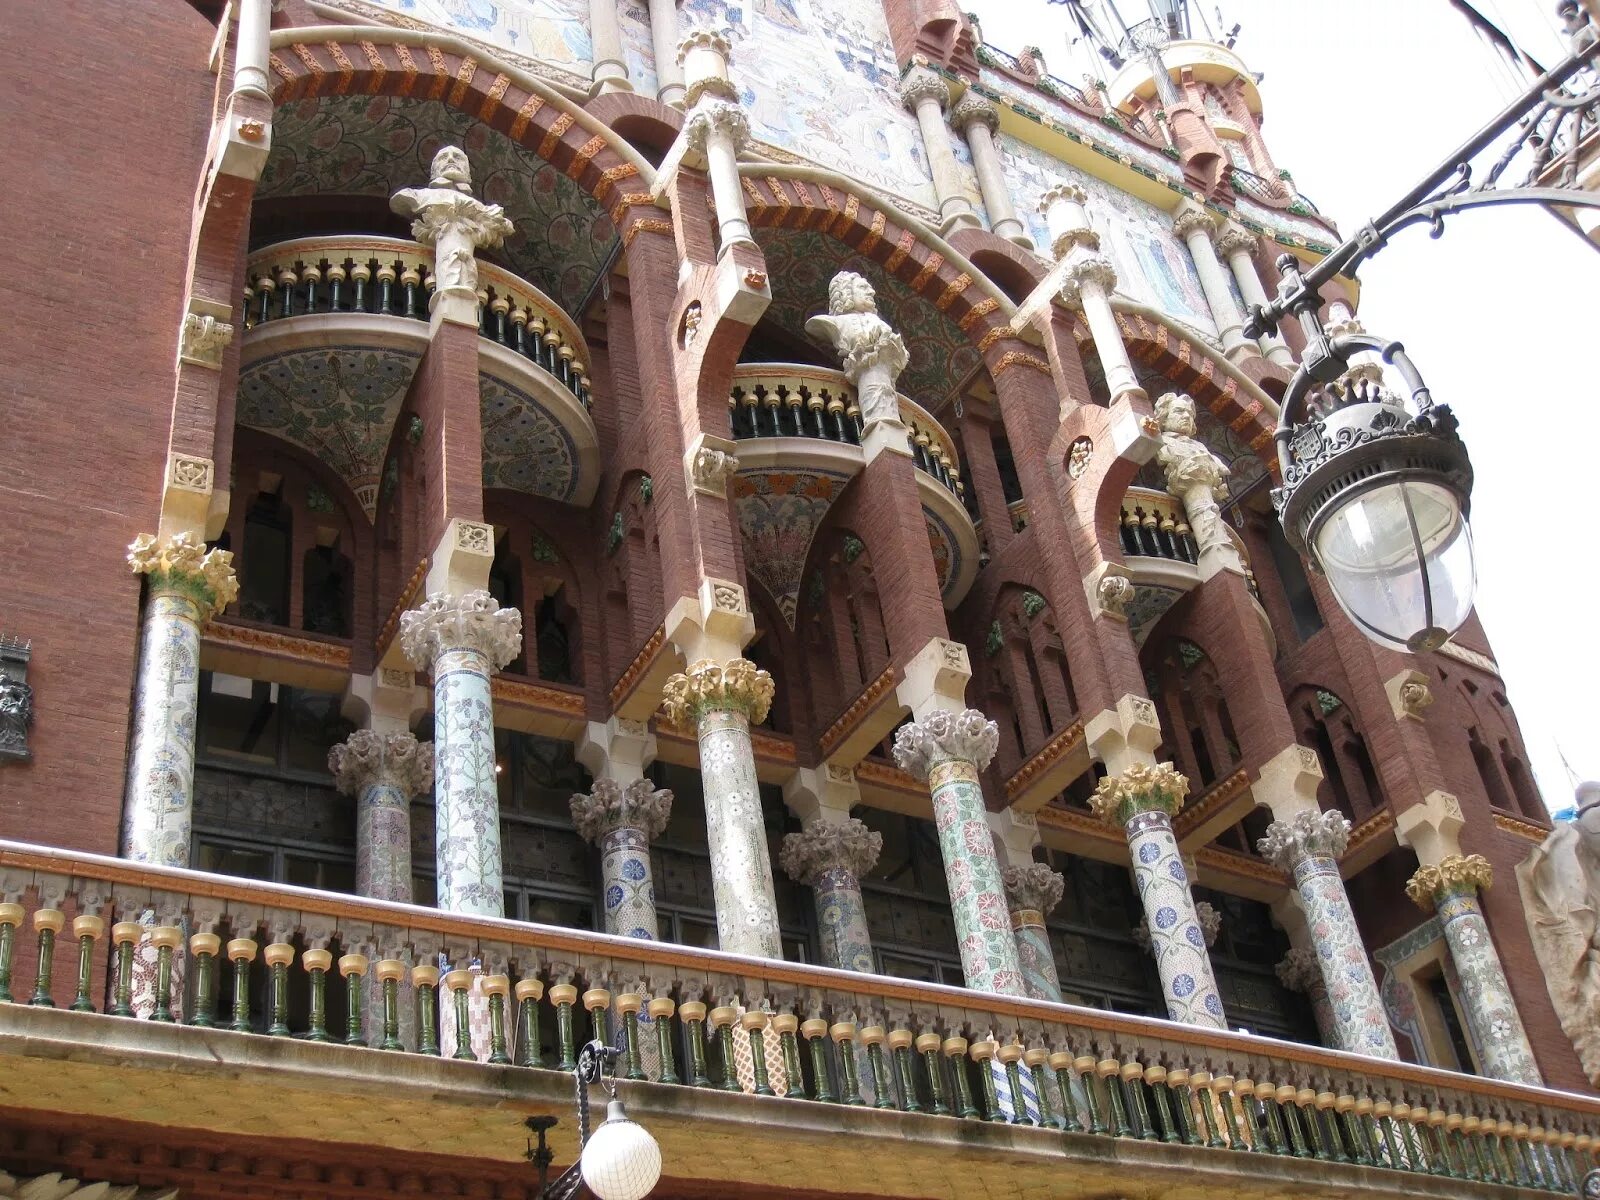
(393, 277)
(791, 400)
(498, 991)
(1154, 525)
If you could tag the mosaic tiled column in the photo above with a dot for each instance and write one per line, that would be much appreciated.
(1451, 888)
(1143, 800)
(947, 750)
(1308, 848)
(718, 702)
(830, 857)
(1032, 891)
(383, 771)
(188, 584)
(622, 819)
(462, 640)
(1300, 971)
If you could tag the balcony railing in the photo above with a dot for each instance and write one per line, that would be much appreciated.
(391, 277)
(1154, 525)
(790, 400)
(813, 1035)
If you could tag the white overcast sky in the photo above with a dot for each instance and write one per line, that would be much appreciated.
(1361, 98)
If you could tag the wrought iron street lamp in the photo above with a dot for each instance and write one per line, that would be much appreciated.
(618, 1161)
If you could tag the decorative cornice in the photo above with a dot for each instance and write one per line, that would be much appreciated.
(521, 693)
(1044, 758)
(640, 664)
(1033, 887)
(610, 806)
(1454, 875)
(473, 621)
(1521, 827)
(1140, 789)
(943, 736)
(1375, 826)
(1219, 795)
(181, 565)
(864, 703)
(1231, 862)
(823, 846)
(281, 645)
(1307, 835)
(1471, 657)
(408, 593)
(708, 686)
(367, 757)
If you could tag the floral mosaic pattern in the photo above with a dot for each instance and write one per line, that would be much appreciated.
(467, 799)
(524, 447)
(630, 896)
(159, 811)
(339, 405)
(1485, 995)
(842, 921)
(1038, 962)
(383, 842)
(977, 898)
(779, 513)
(747, 909)
(1149, 604)
(1399, 998)
(1355, 1010)
(377, 145)
(1176, 941)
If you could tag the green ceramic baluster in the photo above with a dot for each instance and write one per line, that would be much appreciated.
(787, 1025)
(11, 915)
(693, 1015)
(563, 996)
(47, 922)
(354, 969)
(628, 1007)
(882, 1094)
(425, 983)
(905, 1072)
(279, 955)
(530, 1051)
(498, 987)
(204, 947)
(1156, 1077)
(983, 1054)
(843, 1034)
(1108, 1069)
(1061, 1064)
(390, 972)
(1011, 1056)
(458, 984)
(1034, 1060)
(88, 929)
(815, 1031)
(241, 952)
(955, 1049)
(722, 1020)
(754, 1025)
(316, 963)
(928, 1045)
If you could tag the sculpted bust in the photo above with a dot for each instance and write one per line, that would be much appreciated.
(873, 354)
(1183, 456)
(451, 219)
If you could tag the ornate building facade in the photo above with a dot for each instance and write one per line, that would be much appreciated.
(740, 530)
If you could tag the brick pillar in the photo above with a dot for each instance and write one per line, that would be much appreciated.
(983, 472)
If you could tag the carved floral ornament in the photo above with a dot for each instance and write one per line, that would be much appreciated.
(1078, 456)
(1456, 874)
(710, 469)
(367, 758)
(1089, 270)
(1141, 788)
(190, 473)
(203, 339)
(473, 621)
(1234, 240)
(709, 686)
(1298, 970)
(921, 83)
(1033, 887)
(1307, 835)
(973, 109)
(1193, 220)
(181, 564)
(943, 736)
(716, 115)
(610, 806)
(824, 846)
(1115, 593)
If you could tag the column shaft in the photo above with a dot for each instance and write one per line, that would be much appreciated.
(1355, 1009)
(664, 41)
(1485, 994)
(466, 792)
(722, 157)
(383, 842)
(630, 898)
(1176, 940)
(1003, 218)
(1102, 322)
(747, 906)
(1219, 297)
(160, 802)
(610, 72)
(1244, 274)
(842, 921)
(1035, 958)
(831, 856)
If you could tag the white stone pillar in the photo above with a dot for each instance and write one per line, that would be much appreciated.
(1196, 227)
(926, 94)
(622, 819)
(719, 701)
(456, 225)
(1196, 477)
(872, 355)
(830, 857)
(252, 49)
(384, 772)
(188, 584)
(461, 641)
(977, 120)
(716, 128)
(1237, 245)
(610, 71)
(1089, 282)
(664, 41)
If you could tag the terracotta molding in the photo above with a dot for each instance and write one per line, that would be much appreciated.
(1521, 827)
(640, 664)
(1197, 812)
(271, 642)
(852, 716)
(1044, 758)
(408, 593)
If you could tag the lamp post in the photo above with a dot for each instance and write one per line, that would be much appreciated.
(618, 1161)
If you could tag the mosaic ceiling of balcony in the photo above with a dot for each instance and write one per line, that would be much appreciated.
(801, 264)
(374, 146)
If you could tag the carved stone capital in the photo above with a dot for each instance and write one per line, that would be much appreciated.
(1409, 694)
(1232, 239)
(712, 40)
(1194, 220)
(711, 464)
(183, 565)
(966, 736)
(973, 109)
(1298, 970)
(473, 621)
(1306, 835)
(1452, 876)
(921, 84)
(202, 339)
(1072, 193)
(824, 846)
(367, 757)
(611, 806)
(1141, 788)
(716, 115)
(1033, 887)
(1087, 270)
(710, 686)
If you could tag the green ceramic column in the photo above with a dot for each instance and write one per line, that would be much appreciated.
(204, 947)
(353, 967)
(530, 1047)
(47, 922)
(278, 955)
(88, 930)
(241, 953)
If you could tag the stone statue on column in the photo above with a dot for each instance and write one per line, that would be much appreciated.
(384, 772)
(1198, 478)
(873, 354)
(450, 219)
(622, 819)
(830, 857)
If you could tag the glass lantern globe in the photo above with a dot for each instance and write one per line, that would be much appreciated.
(620, 1161)
(1398, 556)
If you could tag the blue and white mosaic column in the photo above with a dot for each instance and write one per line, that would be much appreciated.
(1032, 892)
(718, 702)
(462, 640)
(830, 857)
(948, 750)
(384, 772)
(1451, 887)
(1143, 800)
(1308, 847)
(622, 819)
(188, 584)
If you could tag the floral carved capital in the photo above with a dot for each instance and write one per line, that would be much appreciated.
(921, 84)
(367, 758)
(181, 564)
(943, 736)
(610, 806)
(714, 114)
(823, 846)
(1307, 835)
(1455, 875)
(1034, 887)
(1087, 270)
(1139, 789)
(1299, 970)
(973, 109)
(708, 686)
(473, 621)
(1234, 240)
(1193, 220)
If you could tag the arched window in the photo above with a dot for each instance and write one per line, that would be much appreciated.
(325, 582)
(264, 556)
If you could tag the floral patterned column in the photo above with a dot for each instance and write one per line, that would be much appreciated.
(461, 640)
(1143, 800)
(830, 857)
(1032, 891)
(383, 771)
(188, 584)
(948, 749)
(1308, 847)
(1451, 889)
(719, 702)
(622, 819)
(1301, 971)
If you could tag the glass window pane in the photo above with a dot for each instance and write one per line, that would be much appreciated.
(315, 727)
(232, 860)
(240, 719)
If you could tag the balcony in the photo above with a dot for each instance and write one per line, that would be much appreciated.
(335, 328)
(751, 1073)
(806, 418)
(1161, 555)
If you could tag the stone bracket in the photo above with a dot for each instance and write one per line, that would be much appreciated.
(1287, 782)
(716, 624)
(935, 678)
(618, 749)
(461, 561)
(1124, 736)
(1431, 827)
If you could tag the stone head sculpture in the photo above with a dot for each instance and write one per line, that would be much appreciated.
(450, 169)
(1175, 414)
(850, 293)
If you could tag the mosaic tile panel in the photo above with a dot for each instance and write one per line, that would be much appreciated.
(159, 809)
(556, 31)
(525, 449)
(383, 843)
(1038, 963)
(1399, 998)
(977, 897)
(466, 793)
(779, 513)
(1354, 1007)
(747, 915)
(1091, 129)
(1149, 605)
(842, 921)
(630, 898)
(1176, 942)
